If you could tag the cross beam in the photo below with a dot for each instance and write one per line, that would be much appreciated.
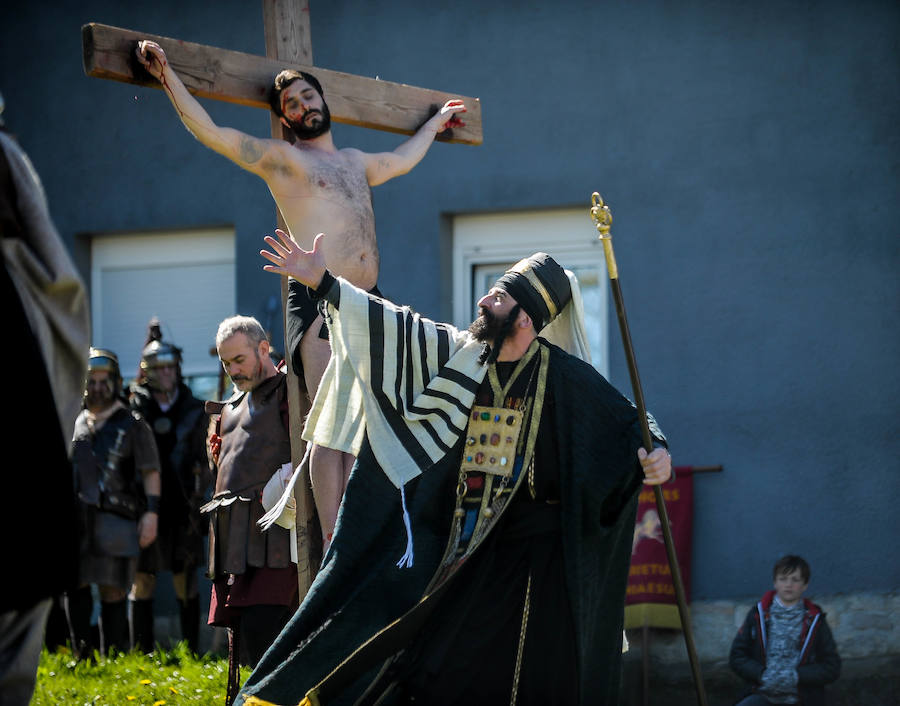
(236, 77)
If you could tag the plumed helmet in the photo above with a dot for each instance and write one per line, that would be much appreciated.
(159, 353)
(156, 354)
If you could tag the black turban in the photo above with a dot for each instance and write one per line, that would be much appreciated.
(539, 285)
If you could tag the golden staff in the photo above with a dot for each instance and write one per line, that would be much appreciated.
(602, 218)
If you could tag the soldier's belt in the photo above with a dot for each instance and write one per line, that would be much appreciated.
(228, 498)
(120, 504)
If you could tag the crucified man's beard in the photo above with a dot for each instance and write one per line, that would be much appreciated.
(491, 331)
(302, 131)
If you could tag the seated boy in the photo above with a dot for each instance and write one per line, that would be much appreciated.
(785, 649)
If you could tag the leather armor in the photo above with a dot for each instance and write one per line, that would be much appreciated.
(105, 476)
(255, 444)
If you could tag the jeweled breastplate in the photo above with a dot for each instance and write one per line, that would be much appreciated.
(500, 442)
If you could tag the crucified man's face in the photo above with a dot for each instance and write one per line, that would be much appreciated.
(305, 111)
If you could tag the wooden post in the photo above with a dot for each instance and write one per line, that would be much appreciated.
(286, 25)
(602, 217)
(645, 664)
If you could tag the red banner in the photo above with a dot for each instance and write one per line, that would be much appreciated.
(650, 598)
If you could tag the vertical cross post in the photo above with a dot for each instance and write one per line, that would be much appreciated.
(287, 34)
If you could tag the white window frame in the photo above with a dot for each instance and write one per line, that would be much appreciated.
(568, 235)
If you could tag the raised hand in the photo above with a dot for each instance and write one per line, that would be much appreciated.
(447, 116)
(288, 258)
(152, 57)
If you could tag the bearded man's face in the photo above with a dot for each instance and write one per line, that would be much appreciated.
(305, 110)
(100, 391)
(314, 122)
(487, 326)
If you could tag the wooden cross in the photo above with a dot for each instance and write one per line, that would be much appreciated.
(236, 77)
(245, 79)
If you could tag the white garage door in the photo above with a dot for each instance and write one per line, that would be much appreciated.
(186, 279)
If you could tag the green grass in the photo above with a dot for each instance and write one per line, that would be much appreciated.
(164, 677)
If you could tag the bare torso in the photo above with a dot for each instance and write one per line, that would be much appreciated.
(327, 192)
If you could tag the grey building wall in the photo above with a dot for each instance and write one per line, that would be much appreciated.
(749, 152)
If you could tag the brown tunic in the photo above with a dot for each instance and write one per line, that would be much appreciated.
(255, 444)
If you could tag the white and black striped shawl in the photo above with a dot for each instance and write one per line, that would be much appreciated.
(404, 381)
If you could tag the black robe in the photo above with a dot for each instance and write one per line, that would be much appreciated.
(509, 595)
(360, 591)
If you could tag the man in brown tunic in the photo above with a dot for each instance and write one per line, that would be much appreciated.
(254, 578)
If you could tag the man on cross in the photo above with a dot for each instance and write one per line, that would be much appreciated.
(318, 188)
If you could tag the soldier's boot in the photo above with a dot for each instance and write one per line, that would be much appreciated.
(114, 616)
(190, 621)
(79, 606)
(142, 624)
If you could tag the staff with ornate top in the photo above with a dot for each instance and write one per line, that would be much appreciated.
(602, 217)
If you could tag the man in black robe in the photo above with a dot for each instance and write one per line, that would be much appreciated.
(518, 467)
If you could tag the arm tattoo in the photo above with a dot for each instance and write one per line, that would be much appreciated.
(251, 149)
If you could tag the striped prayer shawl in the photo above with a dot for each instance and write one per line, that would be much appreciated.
(404, 381)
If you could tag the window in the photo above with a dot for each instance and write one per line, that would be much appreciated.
(484, 245)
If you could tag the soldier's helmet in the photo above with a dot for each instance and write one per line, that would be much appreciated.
(157, 354)
(104, 359)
